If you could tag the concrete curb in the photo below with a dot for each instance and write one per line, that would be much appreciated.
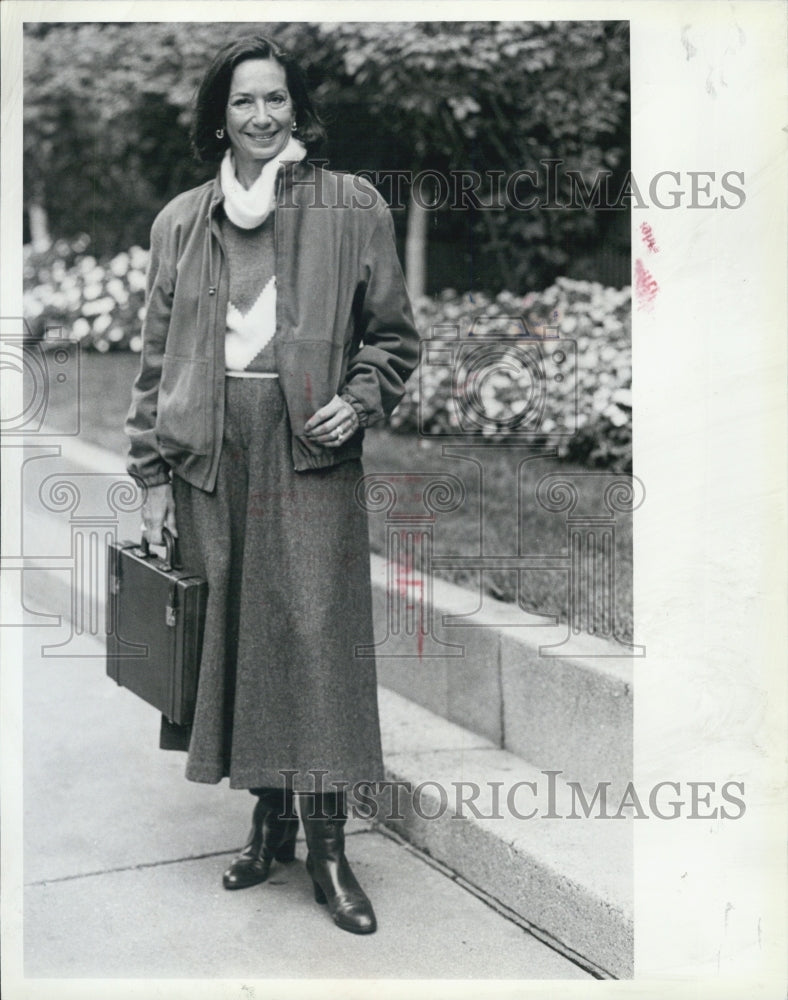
(467, 803)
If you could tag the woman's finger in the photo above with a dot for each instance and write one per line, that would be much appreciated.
(335, 430)
(323, 426)
(326, 413)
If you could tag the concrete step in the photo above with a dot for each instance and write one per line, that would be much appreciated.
(519, 834)
(507, 678)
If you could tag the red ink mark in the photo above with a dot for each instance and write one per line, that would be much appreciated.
(646, 287)
(411, 589)
(648, 237)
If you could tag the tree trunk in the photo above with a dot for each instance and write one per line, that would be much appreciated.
(416, 248)
(39, 227)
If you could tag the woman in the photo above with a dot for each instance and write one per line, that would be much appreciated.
(277, 328)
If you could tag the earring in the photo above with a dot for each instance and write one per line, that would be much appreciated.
(293, 127)
(220, 133)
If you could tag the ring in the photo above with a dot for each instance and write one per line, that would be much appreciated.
(337, 433)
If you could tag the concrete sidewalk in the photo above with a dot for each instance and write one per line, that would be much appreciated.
(123, 862)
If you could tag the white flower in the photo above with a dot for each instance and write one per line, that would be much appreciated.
(102, 322)
(92, 290)
(80, 329)
(135, 344)
(138, 257)
(98, 306)
(33, 307)
(102, 345)
(87, 264)
(119, 265)
(623, 397)
(136, 280)
(616, 417)
(115, 334)
(117, 291)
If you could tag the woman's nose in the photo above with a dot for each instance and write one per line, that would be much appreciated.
(261, 112)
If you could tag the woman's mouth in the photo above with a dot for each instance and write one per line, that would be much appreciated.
(261, 136)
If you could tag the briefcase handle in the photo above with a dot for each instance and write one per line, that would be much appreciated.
(173, 560)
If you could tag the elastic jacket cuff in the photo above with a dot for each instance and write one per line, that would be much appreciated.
(361, 412)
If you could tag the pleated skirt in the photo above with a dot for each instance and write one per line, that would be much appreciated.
(286, 555)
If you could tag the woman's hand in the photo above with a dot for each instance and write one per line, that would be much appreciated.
(333, 423)
(158, 510)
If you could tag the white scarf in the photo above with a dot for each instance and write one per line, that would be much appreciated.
(249, 208)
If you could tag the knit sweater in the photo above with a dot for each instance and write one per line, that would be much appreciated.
(251, 312)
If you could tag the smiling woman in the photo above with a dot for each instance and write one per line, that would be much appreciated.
(259, 116)
(265, 354)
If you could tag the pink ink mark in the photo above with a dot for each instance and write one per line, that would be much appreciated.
(648, 237)
(410, 584)
(646, 287)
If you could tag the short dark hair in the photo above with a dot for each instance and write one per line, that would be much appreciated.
(213, 92)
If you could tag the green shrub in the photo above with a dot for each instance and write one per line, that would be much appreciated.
(594, 428)
(98, 303)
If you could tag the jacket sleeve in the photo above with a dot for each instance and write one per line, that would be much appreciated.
(144, 462)
(388, 341)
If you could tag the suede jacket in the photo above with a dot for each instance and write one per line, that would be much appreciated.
(344, 324)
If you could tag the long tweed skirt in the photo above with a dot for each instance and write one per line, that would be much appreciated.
(286, 555)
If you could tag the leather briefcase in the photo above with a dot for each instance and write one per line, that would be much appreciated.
(155, 618)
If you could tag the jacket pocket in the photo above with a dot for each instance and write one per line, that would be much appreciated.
(309, 373)
(183, 411)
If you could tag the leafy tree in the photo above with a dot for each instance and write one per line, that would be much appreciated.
(107, 109)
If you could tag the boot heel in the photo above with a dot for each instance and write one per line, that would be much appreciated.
(320, 896)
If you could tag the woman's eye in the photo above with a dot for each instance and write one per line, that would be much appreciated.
(279, 99)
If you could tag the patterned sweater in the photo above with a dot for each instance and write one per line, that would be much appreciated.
(251, 312)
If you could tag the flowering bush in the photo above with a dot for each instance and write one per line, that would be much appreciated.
(587, 413)
(99, 303)
(451, 390)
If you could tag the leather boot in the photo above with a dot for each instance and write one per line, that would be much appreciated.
(272, 837)
(333, 881)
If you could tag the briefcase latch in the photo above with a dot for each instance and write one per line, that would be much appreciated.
(171, 611)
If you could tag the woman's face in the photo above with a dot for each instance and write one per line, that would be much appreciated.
(259, 111)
